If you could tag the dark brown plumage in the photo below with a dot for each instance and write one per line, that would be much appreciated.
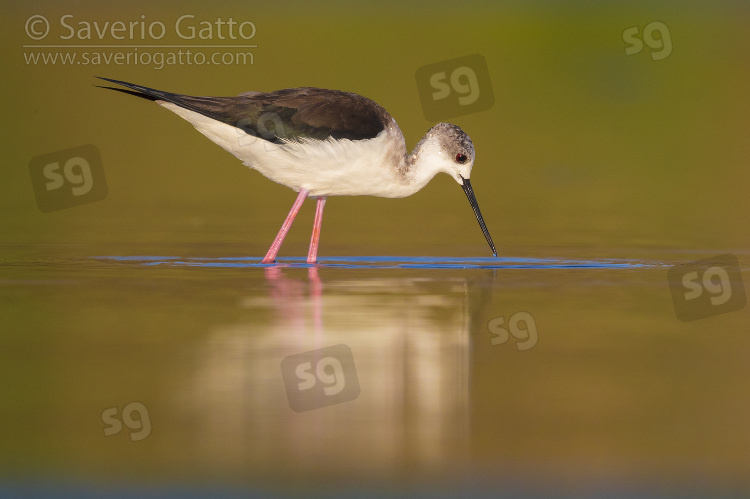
(292, 113)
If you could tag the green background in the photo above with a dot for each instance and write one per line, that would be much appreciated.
(584, 146)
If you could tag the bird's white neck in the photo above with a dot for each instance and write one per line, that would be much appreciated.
(422, 164)
(411, 171)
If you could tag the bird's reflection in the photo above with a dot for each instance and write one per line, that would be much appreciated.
(409, 339)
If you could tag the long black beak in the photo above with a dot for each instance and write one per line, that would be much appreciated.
(474, 206)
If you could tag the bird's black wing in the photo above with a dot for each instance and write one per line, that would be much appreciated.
(292, 113)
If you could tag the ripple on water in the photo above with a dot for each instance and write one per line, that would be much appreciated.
(389, 262)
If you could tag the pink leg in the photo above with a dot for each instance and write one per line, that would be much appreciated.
(312, 255)
(284, 230)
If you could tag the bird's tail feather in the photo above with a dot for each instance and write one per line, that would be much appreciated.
(207, 106)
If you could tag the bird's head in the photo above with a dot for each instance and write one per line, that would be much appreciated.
(447, 148)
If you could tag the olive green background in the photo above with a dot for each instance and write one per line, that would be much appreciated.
(584, 146)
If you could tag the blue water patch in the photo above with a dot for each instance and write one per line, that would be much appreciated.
(388, 262)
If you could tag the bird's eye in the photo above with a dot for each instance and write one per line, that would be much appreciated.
(461, 158)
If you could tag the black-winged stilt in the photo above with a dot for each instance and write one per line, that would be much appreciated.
(323, 143)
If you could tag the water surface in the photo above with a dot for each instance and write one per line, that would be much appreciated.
(604, 378)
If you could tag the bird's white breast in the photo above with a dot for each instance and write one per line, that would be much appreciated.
(333, 167)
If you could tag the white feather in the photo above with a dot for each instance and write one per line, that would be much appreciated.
(333, 167)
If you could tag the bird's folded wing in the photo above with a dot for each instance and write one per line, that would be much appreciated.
(289, 114)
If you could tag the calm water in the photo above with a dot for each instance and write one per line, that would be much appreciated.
(154, 371)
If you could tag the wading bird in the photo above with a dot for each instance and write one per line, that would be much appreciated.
(323, 143)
